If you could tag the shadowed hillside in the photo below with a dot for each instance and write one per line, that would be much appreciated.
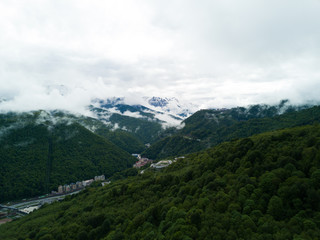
(262, 187)
(37, 155)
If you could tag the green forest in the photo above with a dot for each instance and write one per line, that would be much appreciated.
(262, 187)
(35, 158)
(207, 128)
(145, 129)
(123, 139)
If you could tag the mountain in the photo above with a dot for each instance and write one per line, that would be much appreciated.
(207, 128)
(172, 106)
(123, 139)
(143, 128)
(263, 187)
(41, 150)
(146, 120)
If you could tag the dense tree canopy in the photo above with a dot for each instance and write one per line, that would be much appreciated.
(208, 128)
(262, 187)
(37, 157)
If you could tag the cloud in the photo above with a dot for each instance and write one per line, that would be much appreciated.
(211, 53)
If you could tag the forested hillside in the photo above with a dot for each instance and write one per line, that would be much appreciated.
(208, 128)
(127, 139)
(143, 127)
(145, 120)
(145, 130)
(123, 139)
(263, 187)
(37, 154)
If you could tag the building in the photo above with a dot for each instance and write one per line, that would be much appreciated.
(60, 189)
(67, 188)
(30, 209)
(161, 164)
(100, 178)
(105, 183)
(73, 186)
(87, 182)
(136, 155)
(142, 162)
(79, 184)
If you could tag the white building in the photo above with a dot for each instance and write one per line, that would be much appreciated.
(87, 182)
(161, 164)
(60, 189)
(105, 183)
(136, 155)
(100, 178)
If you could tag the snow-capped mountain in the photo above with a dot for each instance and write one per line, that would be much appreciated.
(166, 111)
(172, 106)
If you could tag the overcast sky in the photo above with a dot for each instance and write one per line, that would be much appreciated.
(213, 53)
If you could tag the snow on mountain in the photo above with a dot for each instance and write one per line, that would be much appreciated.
(167, 111)
(172, 106)
(157, 101)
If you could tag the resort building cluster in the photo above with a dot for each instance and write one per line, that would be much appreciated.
(141, 161)
(78, 185)
(158, 165)
(161, 164)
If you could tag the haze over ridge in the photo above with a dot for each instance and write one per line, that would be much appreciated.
(61, 55)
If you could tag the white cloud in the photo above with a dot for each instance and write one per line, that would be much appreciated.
(211, 53)
(132, 114)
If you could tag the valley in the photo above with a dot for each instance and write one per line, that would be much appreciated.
(244, 173)
(159, 120)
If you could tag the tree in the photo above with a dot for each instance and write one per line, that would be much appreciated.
(275, 208)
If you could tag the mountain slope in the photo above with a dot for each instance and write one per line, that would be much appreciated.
(172, 106)
(210, 127)
(141, 127)
(146, 120)
(263, 187)
(37, 154)
(126, 140)
(123, 139)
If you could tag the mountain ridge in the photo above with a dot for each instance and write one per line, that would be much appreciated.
(262, 187)
(42, 152)
(209, 127)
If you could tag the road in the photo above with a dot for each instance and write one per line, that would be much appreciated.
(23, 205)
